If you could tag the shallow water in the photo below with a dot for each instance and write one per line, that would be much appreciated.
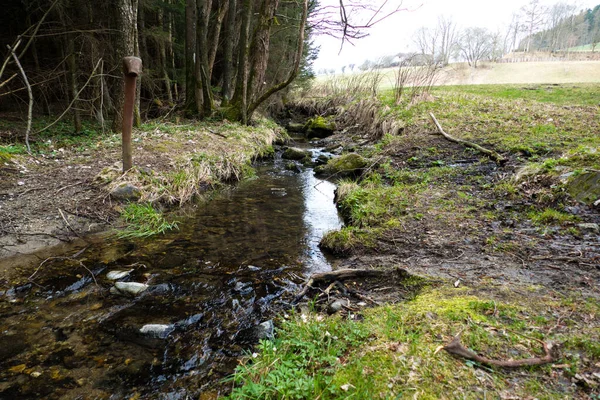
(228, 267)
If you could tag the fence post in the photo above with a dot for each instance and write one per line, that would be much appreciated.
(132, 68)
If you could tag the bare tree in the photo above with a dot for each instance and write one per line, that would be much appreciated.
(556, 28)
(447, 33)
(534, 14)
(475, 44)
(427, 42)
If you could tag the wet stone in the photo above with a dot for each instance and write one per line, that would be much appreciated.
(116, 275)
(243, 287)
(128, 288)
(292, 166)
(294, 153)
(159, 331)
(336, 306)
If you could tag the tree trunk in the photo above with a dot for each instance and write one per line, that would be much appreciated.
(72, 73)
(295, 69)
(228, 39)
(238, 111)
(162, 55)
(190, 57)
(125, 45)
(260, 49)
(202, 77)
(215, 33)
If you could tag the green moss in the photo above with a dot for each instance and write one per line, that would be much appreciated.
(143, 220)
(551, 216)
(345, 165)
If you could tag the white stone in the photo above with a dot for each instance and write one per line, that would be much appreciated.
(133, 288)
(116, 275)
(156, 330)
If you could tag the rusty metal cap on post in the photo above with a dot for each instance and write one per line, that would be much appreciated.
(132, 66)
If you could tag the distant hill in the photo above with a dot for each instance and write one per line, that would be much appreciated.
(566, 31)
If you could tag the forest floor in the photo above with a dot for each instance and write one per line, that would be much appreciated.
(505, 254)
(63, 189)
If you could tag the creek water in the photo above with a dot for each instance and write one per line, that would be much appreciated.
(226, 270)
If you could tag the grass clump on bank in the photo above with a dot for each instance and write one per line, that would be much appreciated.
(392, 351)
(143, 220)
(189, 158)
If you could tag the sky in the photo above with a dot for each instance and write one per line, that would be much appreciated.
(393, 35)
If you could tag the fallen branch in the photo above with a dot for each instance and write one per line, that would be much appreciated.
(492, 154)
(343, 274)
(456, 348)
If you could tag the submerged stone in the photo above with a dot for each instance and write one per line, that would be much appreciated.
(128, 288)
(116, 275)
(159, 331)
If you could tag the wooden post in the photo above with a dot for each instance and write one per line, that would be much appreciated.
(132, 68)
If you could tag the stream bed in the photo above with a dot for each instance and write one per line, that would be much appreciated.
(210, 290)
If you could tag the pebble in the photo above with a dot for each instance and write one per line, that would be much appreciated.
(133, 288)
(116, 275)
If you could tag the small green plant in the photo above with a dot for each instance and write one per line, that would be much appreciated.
(551, 216)
(144, 221)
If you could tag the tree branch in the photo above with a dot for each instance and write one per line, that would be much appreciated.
(456, 348)
(30, 93)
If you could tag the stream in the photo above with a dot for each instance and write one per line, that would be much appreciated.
(212, 288)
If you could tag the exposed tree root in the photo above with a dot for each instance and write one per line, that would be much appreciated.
(344, 274)
(490, 153)
(456, 348)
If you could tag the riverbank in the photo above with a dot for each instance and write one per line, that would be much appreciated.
(508, 247)
(72, 185)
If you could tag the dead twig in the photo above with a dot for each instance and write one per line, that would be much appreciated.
(67, 222)
(456, 348)
(68, 186)
(492, 154)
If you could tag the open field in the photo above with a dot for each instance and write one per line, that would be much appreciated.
(494, 74)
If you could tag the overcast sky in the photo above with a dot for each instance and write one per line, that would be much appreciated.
(393, 35)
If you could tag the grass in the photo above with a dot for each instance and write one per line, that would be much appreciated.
(416, 182)
(143, 220)
(527, 73)
(576, 94)
(392, 352)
